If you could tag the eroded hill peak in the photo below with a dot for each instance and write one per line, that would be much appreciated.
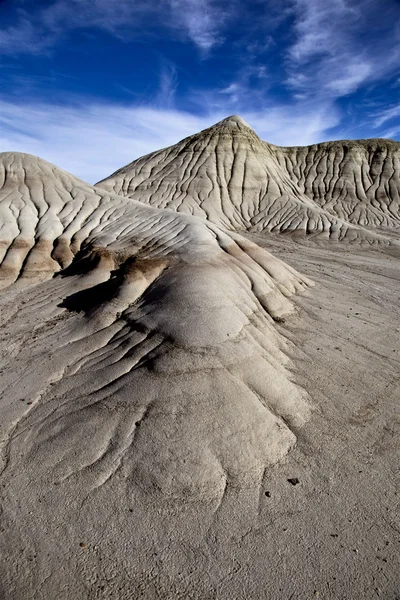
(233, 121)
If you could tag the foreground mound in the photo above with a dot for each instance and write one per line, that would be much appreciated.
(150, 371)
(231, 177)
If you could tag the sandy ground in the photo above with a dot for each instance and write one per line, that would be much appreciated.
(336, 534)
(332, 532)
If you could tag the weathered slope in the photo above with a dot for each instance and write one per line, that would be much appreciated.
(228, 175)
(150, 371)
(358, 181)
(48, 215)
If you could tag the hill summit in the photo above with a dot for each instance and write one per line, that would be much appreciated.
(235, 180)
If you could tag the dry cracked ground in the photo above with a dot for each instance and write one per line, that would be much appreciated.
(199, 373)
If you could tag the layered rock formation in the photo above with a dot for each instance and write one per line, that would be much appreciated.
(231, 177)
(357, 180)
(151, 364)
(145, 374)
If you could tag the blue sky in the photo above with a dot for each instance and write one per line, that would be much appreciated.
(92, 84)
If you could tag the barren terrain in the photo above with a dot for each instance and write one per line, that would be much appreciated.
(205, 406)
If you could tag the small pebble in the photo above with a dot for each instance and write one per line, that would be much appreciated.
(279, 319)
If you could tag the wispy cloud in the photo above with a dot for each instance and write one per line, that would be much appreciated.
(386, 115)
(24, 37)
(325, 55)
(298, 124)
(331, 55)
(249, 90)
(202, 21)
(41, 28)
(115, 17)
(391, 134)
(168, 85)
(319, 27)
(93, 140)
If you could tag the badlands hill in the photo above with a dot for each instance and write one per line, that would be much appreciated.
(151, 369)
(231, 177)
(183, 414)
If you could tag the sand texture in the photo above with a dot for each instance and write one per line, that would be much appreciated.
(194, 412)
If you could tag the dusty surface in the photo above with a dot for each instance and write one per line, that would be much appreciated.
(147, 378)
(333, 535)
(337, 533)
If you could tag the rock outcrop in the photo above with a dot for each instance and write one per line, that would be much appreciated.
(229, 176)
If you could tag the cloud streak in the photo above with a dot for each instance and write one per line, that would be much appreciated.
(201, 21)
(291, 100)
(386, 114)
(40, 29)
(330, 55)
(93, 140)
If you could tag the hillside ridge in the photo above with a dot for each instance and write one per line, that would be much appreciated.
(229, 176)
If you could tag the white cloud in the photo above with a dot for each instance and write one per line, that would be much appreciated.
(114, 16)
(347, 80)
(93, 140)
(24, 37)
(294, 125)
(319, 27)
(391, 134)
(168, 85)
(330, 55)
(386, 115)
(202, 21)
(43, 27)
